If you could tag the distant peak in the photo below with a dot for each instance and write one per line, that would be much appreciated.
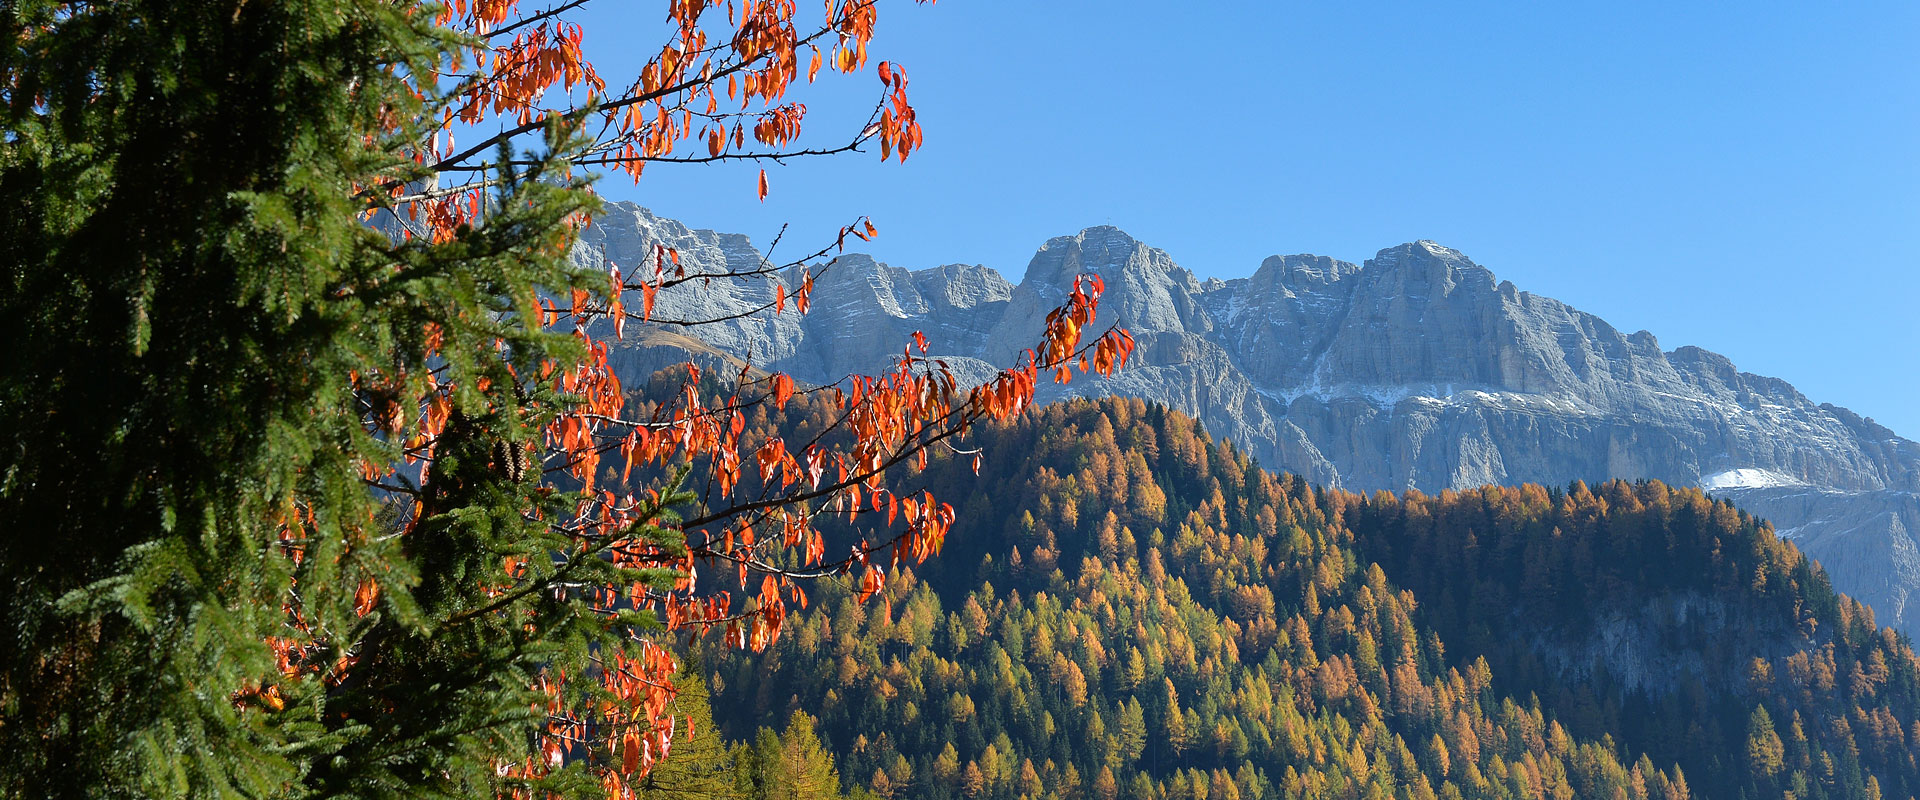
(1143, 283)
(1424, 247)
(1101, 237)
(1428, 262)
(1104, 231)
(1101, 248)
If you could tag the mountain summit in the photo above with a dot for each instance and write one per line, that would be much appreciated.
(1416, 370)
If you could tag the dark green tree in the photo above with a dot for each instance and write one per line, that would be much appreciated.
(190, 294)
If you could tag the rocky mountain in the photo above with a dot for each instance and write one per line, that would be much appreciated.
(1415, 370)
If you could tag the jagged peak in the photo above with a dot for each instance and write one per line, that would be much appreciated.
(1425, 261)
(628, 208)
(1103, 249)
(1421, 248)
(1107, 232)
(1105, 237)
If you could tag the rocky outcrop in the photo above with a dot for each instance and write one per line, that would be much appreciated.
(1416, 370)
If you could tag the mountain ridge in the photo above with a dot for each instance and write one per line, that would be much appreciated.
(1417, 369)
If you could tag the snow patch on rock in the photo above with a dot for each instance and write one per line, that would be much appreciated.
(1748, 478)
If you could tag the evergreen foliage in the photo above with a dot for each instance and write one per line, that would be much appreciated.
(191, 296)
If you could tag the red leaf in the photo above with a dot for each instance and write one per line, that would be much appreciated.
(782, 390)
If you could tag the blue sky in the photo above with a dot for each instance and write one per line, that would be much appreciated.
(1745, 178)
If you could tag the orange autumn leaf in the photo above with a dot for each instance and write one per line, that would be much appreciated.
(630, 753)
(782, 390)
(365, 597)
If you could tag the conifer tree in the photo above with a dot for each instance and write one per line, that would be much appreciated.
(1132, 732)
(700, 765)
(792, 765)
(1765, 752)
(190, 293)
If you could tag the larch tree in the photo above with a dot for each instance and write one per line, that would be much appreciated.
(1764, 750)
(793, 765)
(303, 416)
(701, 766)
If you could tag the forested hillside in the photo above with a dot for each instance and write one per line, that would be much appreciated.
(1126, 609)
(1672, 622)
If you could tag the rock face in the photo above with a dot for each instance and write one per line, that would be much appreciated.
(1415, 370)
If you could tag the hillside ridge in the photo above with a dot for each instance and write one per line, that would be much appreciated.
(1129, 608)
